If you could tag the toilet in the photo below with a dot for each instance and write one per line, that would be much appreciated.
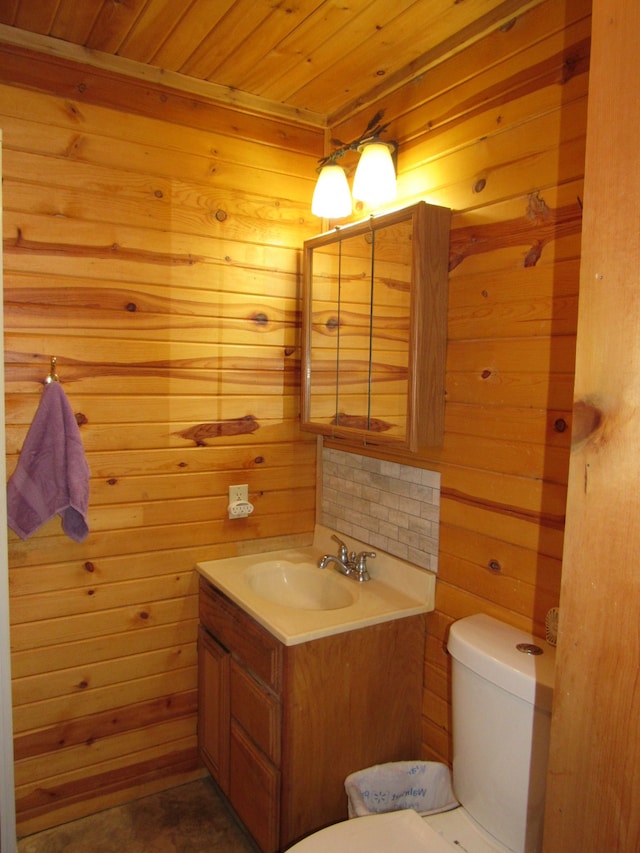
(502, 689)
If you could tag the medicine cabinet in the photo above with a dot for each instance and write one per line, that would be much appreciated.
(374, 329)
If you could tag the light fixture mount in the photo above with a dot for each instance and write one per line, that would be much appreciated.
(372, 133)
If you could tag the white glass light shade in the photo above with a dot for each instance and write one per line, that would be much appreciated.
(375, 178)
(331, 197)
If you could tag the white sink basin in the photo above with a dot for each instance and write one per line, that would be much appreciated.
(286, 592)
(303, 586)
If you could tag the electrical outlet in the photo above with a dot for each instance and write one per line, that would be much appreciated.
(239, 506)
(238, 493)
(240, 510)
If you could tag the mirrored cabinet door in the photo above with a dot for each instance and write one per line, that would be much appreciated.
(323, 342)
(354, 332)
(391, 329)
(374, 329)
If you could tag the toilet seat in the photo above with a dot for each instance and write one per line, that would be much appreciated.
(392, 832)
(402, 832)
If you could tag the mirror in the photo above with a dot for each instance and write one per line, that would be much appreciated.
(374, 328)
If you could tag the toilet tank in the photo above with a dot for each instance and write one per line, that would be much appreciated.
(501, 709)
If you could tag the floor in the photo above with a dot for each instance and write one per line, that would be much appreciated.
(192, 818)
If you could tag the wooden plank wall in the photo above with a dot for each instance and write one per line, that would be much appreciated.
(152, 243)
(497, 134)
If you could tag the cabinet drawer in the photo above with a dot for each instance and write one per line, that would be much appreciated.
(257, 711)
(254, 790)
(260, 652)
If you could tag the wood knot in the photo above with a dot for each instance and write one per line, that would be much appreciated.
(559, 425)
(486, 374)
(200, 433)
(537, 208)
(89, 566)
(587, 419)
(260, 319)
(221, 215)
(81, 419)
(570, 68)
(131, 306)
(533, 255)
(495, 565)
(479, 185)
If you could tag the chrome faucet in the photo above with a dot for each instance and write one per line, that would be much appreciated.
(350, 564)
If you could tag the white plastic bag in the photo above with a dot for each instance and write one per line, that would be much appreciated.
(424, 786)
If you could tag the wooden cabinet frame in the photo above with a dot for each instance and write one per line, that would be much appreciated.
(213, 707)
(410, 310)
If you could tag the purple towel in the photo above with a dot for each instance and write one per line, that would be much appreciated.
(52, 475)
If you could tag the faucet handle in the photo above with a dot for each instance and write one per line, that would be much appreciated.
(344, 551)
(361, 564)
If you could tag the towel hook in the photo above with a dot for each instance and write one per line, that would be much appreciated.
(53, 376)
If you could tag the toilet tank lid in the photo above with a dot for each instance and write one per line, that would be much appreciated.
(490, 648)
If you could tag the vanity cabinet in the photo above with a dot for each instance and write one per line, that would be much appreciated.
(375, 327)
(280, 727)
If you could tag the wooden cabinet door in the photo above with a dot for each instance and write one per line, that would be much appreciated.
(213, 707)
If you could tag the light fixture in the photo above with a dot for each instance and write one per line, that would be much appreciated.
(375, 178)
(331, 197)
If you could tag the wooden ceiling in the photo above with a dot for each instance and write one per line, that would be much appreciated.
(319, 60)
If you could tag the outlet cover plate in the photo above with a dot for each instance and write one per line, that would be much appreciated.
(238, 493)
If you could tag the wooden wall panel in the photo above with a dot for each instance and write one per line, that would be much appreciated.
(498, 134)
(159, 260)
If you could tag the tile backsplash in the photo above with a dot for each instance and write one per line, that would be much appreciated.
(393, 507)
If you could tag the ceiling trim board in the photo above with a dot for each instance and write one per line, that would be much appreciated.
(180, 82)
